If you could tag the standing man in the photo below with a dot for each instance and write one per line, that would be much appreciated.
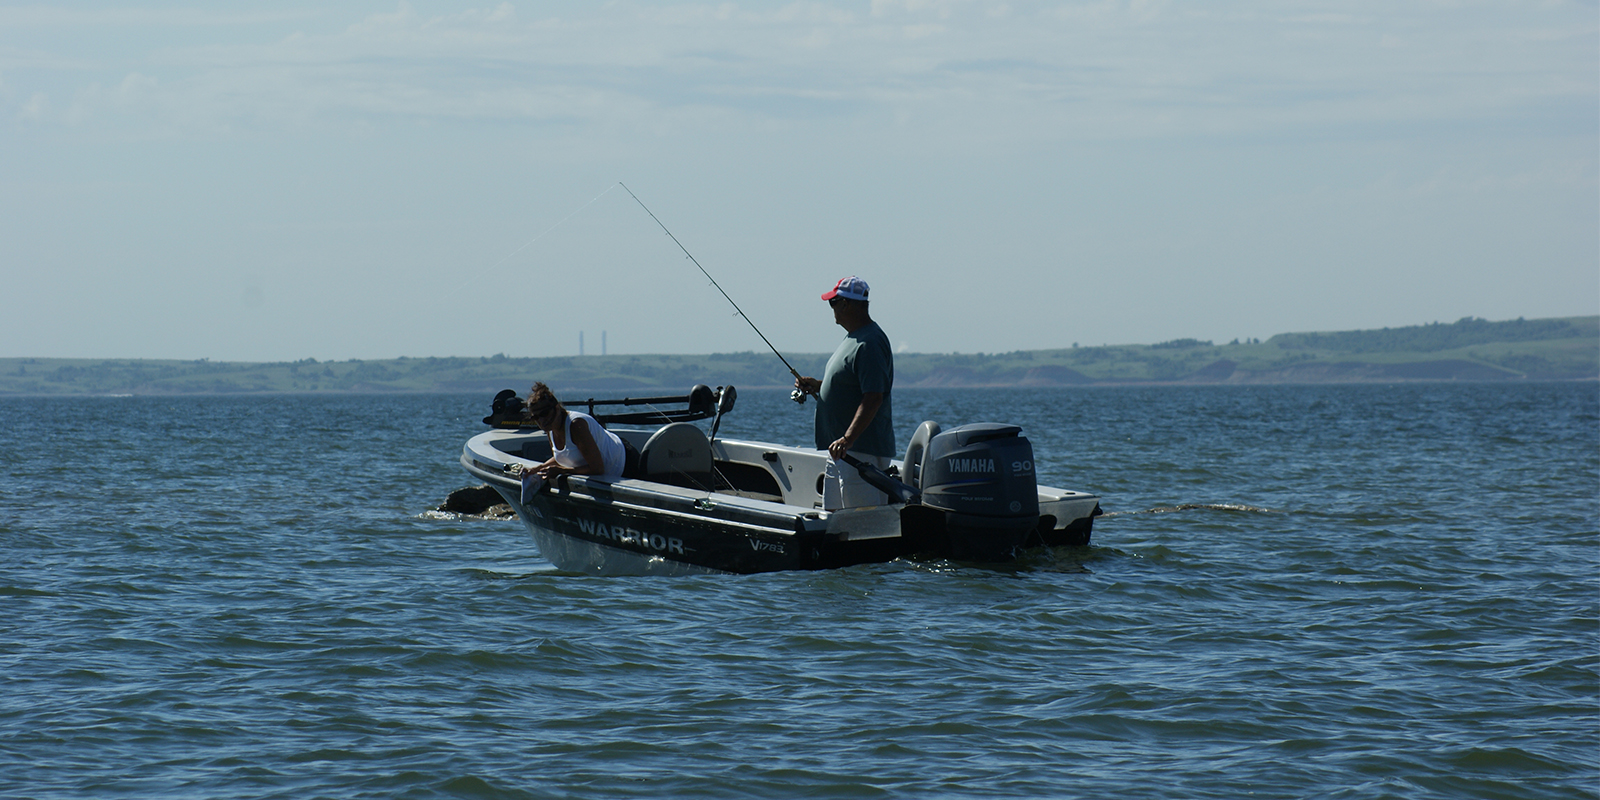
(854, 411)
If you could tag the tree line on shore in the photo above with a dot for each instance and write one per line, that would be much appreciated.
(1469, 349)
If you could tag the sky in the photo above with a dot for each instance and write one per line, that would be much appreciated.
(344, 179)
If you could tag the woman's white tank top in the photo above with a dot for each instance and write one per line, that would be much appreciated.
(611, 452)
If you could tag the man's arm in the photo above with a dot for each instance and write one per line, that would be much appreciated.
(870, 403)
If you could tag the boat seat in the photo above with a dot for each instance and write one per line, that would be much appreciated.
(679, 454)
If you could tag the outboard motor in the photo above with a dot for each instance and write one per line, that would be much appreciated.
(981, 476)
(506, 411)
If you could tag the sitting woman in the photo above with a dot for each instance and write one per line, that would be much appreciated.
(580, 445)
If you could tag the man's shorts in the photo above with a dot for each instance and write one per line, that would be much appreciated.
(843, 486)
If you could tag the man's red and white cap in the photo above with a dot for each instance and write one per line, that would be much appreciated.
(851, 288)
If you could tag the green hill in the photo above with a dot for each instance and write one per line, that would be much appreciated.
(1468, 350)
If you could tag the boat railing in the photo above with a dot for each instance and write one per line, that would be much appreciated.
(702, 402)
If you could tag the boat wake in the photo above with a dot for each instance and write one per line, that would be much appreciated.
(1233, 507)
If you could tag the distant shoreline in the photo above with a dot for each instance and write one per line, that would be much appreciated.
(567, 391)
(1470, 350)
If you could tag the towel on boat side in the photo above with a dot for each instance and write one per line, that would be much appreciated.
(531, 483)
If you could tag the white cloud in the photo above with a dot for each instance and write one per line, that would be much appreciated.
(908, 139)
(923, 30)
(135, 88)
(939, 9)
(799, 13)
(34, 109)
(36, 17)
(1116, 68)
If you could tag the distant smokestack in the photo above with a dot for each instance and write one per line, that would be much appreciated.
(602, 343)
(580, 343)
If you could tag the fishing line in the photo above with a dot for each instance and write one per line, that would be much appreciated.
(799, 398)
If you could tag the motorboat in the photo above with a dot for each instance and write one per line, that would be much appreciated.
(700, 503)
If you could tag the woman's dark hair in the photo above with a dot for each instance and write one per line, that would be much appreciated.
(540, 397)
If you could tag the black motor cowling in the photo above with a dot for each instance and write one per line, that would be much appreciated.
(506, 411)
(981, 477)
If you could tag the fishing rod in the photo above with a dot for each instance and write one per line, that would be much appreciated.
(797, 395)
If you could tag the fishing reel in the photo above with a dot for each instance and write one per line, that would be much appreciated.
(798, 396)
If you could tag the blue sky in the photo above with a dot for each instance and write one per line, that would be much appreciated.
(348, 179)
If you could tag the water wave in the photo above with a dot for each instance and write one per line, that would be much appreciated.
(230, 596)
(1231, 507)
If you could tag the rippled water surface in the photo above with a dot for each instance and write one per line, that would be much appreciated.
(1332, 592)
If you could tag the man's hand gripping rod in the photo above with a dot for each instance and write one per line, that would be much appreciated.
(798, 395)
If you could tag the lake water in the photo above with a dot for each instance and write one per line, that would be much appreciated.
(1331, 592)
